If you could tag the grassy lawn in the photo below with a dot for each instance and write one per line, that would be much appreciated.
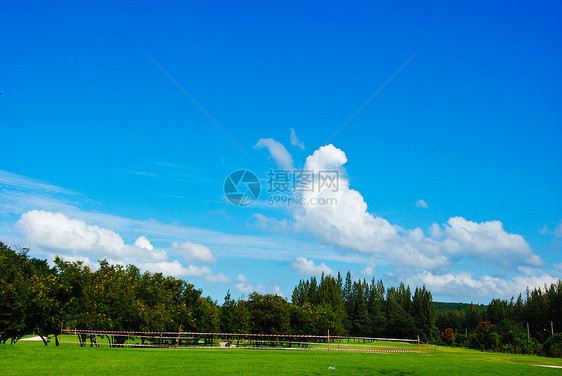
(34, 358)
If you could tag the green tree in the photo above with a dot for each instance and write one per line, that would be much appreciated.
(472, 317)
(424, 313)
(269, 314)
(497, 310)
(227, 315)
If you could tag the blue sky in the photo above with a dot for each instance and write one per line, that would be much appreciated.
(112, 117)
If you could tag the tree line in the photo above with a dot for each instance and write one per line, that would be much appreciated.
(529, 324)
(38, 299)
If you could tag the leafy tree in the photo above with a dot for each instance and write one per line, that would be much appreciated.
(484, 338)
(14, 293)
(269, 314)
(35, 298)
(304, 319)
(243, 317)
(206, 315)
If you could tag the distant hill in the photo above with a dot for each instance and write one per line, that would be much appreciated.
(441, 307)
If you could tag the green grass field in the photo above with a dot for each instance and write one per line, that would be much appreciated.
(33, 358)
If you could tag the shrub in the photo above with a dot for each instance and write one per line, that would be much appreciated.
(461, 340)
(484, 338)
(448, 337)
(553, 346)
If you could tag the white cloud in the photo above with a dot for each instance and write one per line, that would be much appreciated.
(346, 223)
(78, 234)
(295, 140)
(271, 224)
(191, 251)
(245, 287)
(142, 242)
(487, 241)
(422, 204)
(207, 274)
(76, 239)
(307, 267)
(57, 231)
(168, 267)
(278, 152)
(527, 270)
(346, 220)
(463, 284)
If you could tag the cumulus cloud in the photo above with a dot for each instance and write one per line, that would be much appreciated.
(142, 242)
(56, 230)
(464, 284)
(295, 140)
(422, 204)
(207, 274)
(487, 241)
(345, 222)
(307, 267)
(278, 152)
(191, 251)
(245, 287)
(76, 239)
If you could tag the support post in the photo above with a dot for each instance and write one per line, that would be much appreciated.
(60, 338)
(419, 350)
(328, 341)
(178, 341)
